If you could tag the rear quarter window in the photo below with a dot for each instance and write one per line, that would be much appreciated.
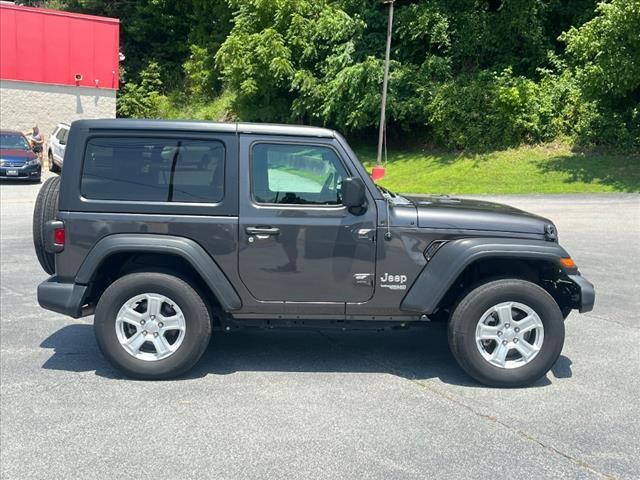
(153, 170)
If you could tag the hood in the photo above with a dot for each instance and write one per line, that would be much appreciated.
(463, 214)
(16, 157)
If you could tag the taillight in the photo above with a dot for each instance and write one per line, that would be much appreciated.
(54, 236)
(59, 236)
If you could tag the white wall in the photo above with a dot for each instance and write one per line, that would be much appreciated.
(25, 104)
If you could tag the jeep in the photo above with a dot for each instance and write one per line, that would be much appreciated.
(168, 230)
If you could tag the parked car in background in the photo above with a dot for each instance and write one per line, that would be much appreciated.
(57, 147)
(17, 159)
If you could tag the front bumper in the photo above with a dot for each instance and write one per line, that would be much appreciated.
(586, 291)
(23, 172)
(65, 298)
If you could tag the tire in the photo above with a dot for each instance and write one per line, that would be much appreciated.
(181, 296)
(478, 357)
(45, 210)
(52, 165)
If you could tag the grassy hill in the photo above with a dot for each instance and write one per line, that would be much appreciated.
(530, 169)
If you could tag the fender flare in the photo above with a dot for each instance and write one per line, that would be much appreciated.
(182, 247)
(451, 259)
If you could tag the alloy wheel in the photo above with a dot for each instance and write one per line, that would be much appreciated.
(150, 327)
(509, 335)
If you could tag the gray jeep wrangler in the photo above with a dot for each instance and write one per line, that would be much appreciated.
(167, 230)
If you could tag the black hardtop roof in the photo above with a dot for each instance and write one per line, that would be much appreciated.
(203, 126)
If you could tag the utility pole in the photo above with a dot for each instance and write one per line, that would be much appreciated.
(378, 170)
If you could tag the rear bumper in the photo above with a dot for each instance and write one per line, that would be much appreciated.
(65, 298)
(587, 293)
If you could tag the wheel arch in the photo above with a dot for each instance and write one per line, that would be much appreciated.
(128, 253)
(447, 274)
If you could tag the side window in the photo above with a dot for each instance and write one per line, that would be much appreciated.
(153, 170)
(64, 134)
(296, 174)
(60, 135)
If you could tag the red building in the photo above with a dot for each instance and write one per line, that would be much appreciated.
(56, 67)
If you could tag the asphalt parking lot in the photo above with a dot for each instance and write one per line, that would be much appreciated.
(326, 404)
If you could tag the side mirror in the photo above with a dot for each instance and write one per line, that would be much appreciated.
(353, 193)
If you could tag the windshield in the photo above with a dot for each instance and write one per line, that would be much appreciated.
(13, 141)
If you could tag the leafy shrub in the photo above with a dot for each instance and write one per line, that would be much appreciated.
(605, 51)
(142, 100)
(604, 56)
(496, 110)
(198, 76)
(487, 110)
(599, 126)
(179, 106)
(561, 105)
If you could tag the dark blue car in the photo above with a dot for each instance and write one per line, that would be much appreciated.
(17, 159)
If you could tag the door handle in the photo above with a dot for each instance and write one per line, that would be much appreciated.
(262, 231)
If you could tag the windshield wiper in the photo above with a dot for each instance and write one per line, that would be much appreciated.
(386, 190)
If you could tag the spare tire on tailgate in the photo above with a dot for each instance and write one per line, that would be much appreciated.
(45, 210)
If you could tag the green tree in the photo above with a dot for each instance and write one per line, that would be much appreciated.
(279, 54)
(605, 56)
(606, 50)
(143, 99)
(198, 73)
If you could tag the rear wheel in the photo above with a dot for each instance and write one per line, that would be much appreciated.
(45, 210)
(152, 325)
(507, 333)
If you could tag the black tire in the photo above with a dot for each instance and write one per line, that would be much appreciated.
(45, 209)
(197, 319)
(469, 311)
(52, 166)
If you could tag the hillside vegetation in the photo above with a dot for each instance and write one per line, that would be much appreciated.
(465, 74)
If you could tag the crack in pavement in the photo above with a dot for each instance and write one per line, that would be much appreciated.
(597, 317)
(430, 386)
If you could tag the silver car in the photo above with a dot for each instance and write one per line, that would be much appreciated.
(57, 147)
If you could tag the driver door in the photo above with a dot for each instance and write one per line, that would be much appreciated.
(298, 243)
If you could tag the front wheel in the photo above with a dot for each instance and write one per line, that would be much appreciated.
(507, 333)
(52, 166)
(152, 325)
